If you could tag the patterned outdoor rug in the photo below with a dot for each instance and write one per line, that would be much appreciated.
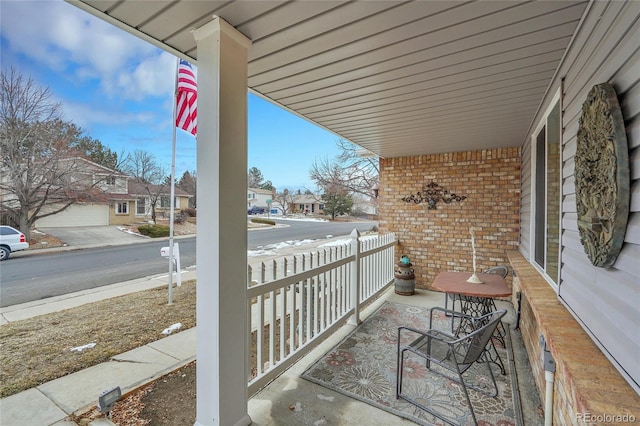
(363, 366)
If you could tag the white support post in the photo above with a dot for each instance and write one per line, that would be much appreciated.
(355, 278)
(221, 245)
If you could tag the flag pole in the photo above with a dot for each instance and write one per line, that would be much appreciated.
(172, 202)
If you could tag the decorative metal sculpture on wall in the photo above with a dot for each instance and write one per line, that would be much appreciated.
(602, 176)
(431, 194)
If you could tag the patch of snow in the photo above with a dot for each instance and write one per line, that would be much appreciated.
(172, 328)
(272, 249)
(130, 232)
(302, 218)
(83, 347)
(347, 241)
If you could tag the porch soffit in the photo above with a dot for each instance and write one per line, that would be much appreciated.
(395, 77)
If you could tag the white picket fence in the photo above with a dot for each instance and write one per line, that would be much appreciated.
(299, 300)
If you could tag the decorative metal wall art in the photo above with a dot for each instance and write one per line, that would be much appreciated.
(431, 194)
(602, 176)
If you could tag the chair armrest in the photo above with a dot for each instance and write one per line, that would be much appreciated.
(426, 334)
(447, 312)
(411, 329)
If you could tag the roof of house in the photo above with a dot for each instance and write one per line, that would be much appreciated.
(140, 189)
(307, 199)
(261, 191)
(90, 166)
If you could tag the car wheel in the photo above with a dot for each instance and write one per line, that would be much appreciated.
(4, 253)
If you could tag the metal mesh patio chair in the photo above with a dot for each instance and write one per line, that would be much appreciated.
(454, 354)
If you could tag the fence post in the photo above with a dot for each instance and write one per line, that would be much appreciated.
(355, 278)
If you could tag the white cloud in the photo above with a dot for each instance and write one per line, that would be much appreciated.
(154, 76)
(67, 39)
(86, 117)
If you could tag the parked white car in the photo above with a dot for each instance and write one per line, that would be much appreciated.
(11, 240)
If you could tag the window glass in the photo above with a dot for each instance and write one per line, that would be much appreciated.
(122, 207)
(5, 230)
(546, 218)
(140, 206)
(540, 196)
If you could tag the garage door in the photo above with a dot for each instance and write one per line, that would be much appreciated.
(77, 215)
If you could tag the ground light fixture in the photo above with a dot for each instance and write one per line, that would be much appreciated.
(108, 398)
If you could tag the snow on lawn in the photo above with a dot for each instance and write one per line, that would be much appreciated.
(130, 232)
(271, 249)
(298, 218)
(346, 241)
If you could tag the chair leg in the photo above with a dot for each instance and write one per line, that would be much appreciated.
(466, 394)
(411, 400)
(478, 389)
(453, 308)
(400, 367)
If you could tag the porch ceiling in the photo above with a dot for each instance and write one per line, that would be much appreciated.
(395, 77)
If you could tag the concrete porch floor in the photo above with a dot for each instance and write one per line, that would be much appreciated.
(317, 405)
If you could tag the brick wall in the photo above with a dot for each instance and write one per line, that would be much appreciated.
(439, 239)
(585, 381)
(530, 330)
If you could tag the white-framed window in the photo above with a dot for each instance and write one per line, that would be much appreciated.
(122, 207)
(546, 145)
(141, 206)
(110, 180)
(165, 201)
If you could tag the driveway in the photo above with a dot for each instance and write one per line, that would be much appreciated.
(91, 236)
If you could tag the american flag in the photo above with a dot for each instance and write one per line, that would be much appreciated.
(186, 98)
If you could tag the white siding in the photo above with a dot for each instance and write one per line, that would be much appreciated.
(605, 301)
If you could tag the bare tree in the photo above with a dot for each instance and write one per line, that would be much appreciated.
(149, 176)
(355, 170)
(285, 200)
(41, 175)
(144, 167)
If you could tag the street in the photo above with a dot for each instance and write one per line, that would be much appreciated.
(27, 278)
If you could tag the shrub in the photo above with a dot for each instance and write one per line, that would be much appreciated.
(189, 211)
(263, 220)
(154, 231)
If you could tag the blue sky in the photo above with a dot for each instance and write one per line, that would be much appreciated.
(119, 90)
